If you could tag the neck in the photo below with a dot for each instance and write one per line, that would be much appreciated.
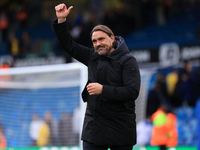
(111, 50)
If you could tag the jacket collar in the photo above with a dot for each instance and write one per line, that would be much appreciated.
(121, 50)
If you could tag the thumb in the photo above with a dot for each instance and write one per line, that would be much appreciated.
(70, 8)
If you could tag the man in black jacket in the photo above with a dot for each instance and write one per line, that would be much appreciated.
(112, 88)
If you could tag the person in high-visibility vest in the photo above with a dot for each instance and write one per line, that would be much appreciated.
(164, 131)
(159, 136)
(172, 130)
(3, 141)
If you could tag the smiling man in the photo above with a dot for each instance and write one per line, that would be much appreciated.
(102, 39)
(112, 88)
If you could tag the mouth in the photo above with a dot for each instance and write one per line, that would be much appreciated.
(100, 48)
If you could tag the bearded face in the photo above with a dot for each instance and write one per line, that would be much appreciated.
(102, 43)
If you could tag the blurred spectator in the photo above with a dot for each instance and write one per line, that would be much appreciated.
(46, 48)
(164, 131)
(44, 134)
(186, 68)
(22, 15)
(3, 25)
(144, 129)
(65, 130)
(161, 79)
(53, 126)
(159, 131)
(168, 6)
(160, 15)
(13, 48)
(172, 130)
(189, 87)
(173, 87)
(76, 124)
(172, 79)
(34, 128)
(25, 44)
(36, 48)
(3, 141)
(155, 97)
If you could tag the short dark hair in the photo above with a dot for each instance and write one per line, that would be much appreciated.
(103, 28)
(106, 30)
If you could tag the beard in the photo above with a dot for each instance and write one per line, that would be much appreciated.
(102, 50)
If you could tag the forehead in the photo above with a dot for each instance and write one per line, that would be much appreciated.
(98, 34)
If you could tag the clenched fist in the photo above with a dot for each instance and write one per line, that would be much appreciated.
(62, 12)
(94, 88)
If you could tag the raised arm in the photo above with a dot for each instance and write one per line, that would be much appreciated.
(62, 12)
(77, 51)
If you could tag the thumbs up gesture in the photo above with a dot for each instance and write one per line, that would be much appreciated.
(62, 12)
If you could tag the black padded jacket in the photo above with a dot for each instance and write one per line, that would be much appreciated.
(110, 116)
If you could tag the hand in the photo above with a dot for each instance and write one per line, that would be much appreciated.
(94, 88)
(62, 12)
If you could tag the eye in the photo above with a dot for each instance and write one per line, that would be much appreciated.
(100, 39)
(94, 41)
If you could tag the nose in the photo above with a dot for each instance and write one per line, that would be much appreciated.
(98, 43)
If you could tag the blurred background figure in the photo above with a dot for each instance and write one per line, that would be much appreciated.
(44, 134)
(172, 130)
(76, 125)
(25, 44)
(173, 88)
(3, 141)
(189, 85)
(13, 47)
(155, 97)
(53, 127)
(34, 129)
(22, 14)
(144, 129)
(164, 131)
(3, 25)
(65, 130)
(159, 135)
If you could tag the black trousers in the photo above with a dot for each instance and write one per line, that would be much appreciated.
(90, 146)
(162, 147)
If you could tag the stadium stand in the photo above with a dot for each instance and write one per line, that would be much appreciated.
(181, 29)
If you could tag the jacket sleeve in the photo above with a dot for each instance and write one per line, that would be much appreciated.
(77, 51)
(131, 81)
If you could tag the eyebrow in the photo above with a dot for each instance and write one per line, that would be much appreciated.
(100, 38)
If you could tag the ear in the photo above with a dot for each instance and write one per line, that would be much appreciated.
(112, 37)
